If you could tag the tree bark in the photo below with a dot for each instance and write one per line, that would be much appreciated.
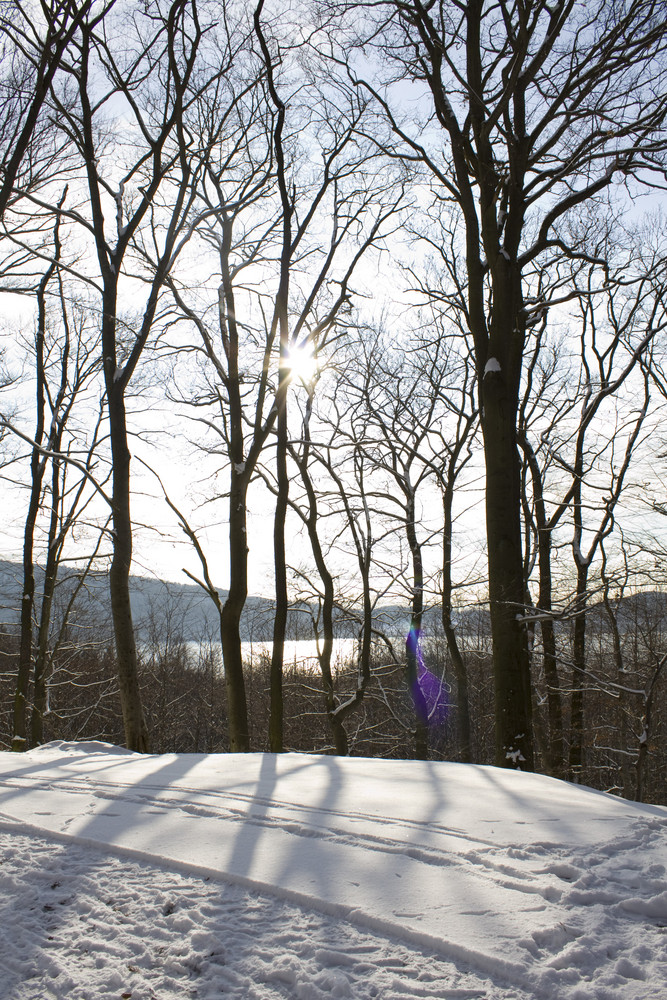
(513, 700)
(21, 695)
(280, 320)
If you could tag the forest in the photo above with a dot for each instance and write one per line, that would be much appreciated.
(362, 305)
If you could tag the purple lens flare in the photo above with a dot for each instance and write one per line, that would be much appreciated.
(433, 690)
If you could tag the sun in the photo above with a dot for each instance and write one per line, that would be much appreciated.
(302, 362)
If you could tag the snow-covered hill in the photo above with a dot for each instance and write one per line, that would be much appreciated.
(295, 876)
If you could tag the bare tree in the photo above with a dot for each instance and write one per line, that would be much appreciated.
(403, 405)
(340, 511)
(544, 109)
(151, 76)
(287, 244)
(571, 432)
(65, 364)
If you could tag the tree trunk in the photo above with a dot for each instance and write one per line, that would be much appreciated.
(460, 672)
(37, 468)
(280, 321)
(576, 756)
(230, 617)
(622, 681)
(325, 652)
(39, 701)
(19, 738)
(555, 756)
(280, 567)
(513, 702)
(412, 643)
(642, 757)
(136, 733)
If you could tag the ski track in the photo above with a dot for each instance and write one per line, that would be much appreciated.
(518, 868)
(289, 818)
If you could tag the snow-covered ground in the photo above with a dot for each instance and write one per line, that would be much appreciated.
(260, 876)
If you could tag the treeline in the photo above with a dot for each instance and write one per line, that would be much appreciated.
(183, 692)
(393, 273)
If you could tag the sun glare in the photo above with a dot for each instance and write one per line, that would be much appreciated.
(302, 362)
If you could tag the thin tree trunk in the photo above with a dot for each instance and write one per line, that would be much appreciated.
(556, 742)
(363, 547)
(576, 755)
(48, 590)
(37, 469)
(621, 680)
(280, 320)
(280, 567)
(21, 695)
(642, 758)
(412, 644)
(230, 616)
(460, 672)
(136, 733)
(324, 652)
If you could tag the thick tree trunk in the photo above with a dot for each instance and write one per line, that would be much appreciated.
(513, 702)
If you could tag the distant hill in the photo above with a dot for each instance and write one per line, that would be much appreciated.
(186, 610)
(183, 608)
(156, 604)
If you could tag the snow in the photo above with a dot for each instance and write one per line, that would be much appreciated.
(298, 876)
(492, 365)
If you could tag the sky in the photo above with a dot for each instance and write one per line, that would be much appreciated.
(298, 876)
